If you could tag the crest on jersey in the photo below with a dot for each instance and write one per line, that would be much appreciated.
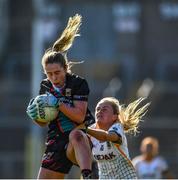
(102, 147)
(108, 145)
(68, 92)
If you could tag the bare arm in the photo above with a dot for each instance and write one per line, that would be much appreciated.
(104, 135)
(76, 113)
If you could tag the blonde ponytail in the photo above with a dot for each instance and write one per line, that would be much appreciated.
(67, 37)
(58, 52)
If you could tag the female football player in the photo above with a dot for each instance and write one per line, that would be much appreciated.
(69, 93)
(109, 140)
(150, 165)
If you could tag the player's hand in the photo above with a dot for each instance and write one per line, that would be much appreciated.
(49, 100)
(32, 110)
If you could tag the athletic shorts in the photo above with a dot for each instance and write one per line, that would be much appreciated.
(55, 158)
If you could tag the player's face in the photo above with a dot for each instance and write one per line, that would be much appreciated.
(149, 149)
(104, 114)
(56, 74)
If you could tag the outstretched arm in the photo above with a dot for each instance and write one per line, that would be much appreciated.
(104, 135)
(101, 134)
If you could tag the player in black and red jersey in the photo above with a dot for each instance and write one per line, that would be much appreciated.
(65, 145)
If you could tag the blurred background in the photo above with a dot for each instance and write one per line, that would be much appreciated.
(130, 49)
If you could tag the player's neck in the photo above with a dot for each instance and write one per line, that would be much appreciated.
(148, 158)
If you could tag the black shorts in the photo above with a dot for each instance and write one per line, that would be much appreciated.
(55, 157)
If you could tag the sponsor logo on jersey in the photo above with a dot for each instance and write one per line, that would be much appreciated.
(105, 156)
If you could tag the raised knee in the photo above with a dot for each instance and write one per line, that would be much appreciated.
(76, 136)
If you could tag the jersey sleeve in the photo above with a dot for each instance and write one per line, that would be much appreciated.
(45, 86)
(82, 92)
(117, 128)
(163, 163)
(136, 160)
(42, 89)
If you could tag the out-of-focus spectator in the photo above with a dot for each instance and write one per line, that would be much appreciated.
(150, 165)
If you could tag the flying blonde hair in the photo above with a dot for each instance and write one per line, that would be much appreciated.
(58, 52)
(66, 39)
(128, 116)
